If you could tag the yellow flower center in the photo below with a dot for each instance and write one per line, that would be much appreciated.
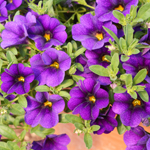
(55, 65)
(120, 8)
(47, 103)
(136, 102)
(92, 99)
(105, 59)
(99, 36)
(47, 36)
(10, 1)
(21, 78)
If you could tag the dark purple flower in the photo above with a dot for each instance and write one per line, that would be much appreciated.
(104, 9)
(49, 68)
(15, 32)
(137, 139)
(43, 109)
(131, 110)
(106, 120)
(47, 32)
(17, 79)
(52, 142)
(87, 99)
(90, 32)
(3, 11)
(97, 57)
(13, 4)
(136, 63)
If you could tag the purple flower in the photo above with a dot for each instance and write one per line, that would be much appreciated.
(97, 57)
(104, 9)
(15, 32)
(3, 11)
(136, 63)
(13, 4)
(17, 79)
(131, 110)
(137, 139)
(49, 68)
(87, 99)
(90, 32)
(106, 120)
(43, 109)
(47, 32)
(52, 142)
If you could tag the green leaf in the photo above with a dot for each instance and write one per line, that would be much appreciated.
(22, 101)
(140, 76)
(95, 128)
(17, 109)
(79, 126)
(124, 58)
(112, 34)
(123, 45)
(88, 140)
(62, 118)
(1, 63)
(64, 94)
(120, 128)
(42, 88)
(128, 81)
(13, 50)
(11, 57)
(120, 17)
(77, 78)
(55, 2)
(79, 52)
(119, 89)
(133, 94)
(99, 70)
(135, 51)
(7, 132)
(22, 135)
(73, 119)
(115, 61)
(69, 48)
(144, 95)
(79, 67)
(1, 27)
(4, 146)
(111, 96)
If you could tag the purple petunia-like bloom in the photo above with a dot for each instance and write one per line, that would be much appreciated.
(13, 4)
(3, 11)
(47, 32)
(106, 120)
(87, 99)
(137, 139)
(131, 110)
(17, 79)
(49, 68)
(90, 32)
(136, 63)
(52, 142)
(43, 109)
(104, 9)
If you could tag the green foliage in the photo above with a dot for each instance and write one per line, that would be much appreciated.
(88, 140)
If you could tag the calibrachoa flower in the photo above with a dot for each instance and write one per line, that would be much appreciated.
(131, 110)
(90, 32)
(47, 32)
(3, 11)
(106, 121)
(87, 99)
(13, 4)
(104, 9)
(43, 109)
(137, 139)
(52, 142)
(17, 79)
(49, 68)
(136, 63)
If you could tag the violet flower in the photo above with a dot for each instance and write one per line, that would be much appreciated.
(17, 79)
(106, 120)
(136, 63)
(131, 110)
(3, 11)
(49, 68)
(90, 32)
(52, 142)
(43, 109)
(87, 99)
(104, 9)
(47, 32)
(13, 4)
(137, 139)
